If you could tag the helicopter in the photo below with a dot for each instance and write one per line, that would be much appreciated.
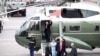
(78, 24)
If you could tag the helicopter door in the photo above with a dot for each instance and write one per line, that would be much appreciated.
(34, 30)
(43, 27)
(54, 28)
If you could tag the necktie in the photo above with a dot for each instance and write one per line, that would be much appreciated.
(46, 26)
(60, 47)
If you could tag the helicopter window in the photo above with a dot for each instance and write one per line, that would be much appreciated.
(88, 13)
(34, 25)
(35, 18)
(77, 13)
(74, 28)
(97, 28)
(71, 13)
(64, 29)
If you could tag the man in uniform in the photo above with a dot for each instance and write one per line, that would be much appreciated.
(32, 45)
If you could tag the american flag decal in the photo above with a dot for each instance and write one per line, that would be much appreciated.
(54, 12)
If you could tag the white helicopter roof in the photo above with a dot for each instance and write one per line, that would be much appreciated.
(80, 5)
(86, 5)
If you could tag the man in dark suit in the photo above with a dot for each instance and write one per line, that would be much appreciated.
(74, 50)
(48, 50)
(60, 47)
(47, 30)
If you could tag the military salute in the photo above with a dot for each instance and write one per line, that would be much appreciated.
(32, 45)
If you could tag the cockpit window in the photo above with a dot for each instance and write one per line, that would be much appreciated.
(23, 25)
(77, 13)
(34, 26)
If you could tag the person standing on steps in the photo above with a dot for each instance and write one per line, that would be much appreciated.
(47, 30)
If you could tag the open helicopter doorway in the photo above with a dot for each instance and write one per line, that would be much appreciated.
(43, 26)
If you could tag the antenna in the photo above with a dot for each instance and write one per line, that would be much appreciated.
(60, 28)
